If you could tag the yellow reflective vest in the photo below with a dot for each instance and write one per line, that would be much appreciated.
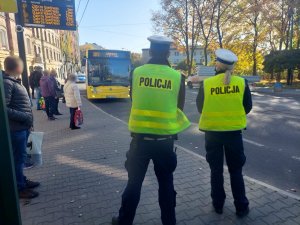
(155, 90)
(223, 108)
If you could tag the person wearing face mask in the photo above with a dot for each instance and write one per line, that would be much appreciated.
(20, 122)
(223, 102)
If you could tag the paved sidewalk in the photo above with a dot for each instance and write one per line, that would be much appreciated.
(83, 176)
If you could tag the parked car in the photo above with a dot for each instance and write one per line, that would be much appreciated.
(203, 73)
(80, 78)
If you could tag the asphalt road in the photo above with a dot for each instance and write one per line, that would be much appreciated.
(272, 139)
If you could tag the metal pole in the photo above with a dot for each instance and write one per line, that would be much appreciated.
(21, 45)
(43, 48)
(290, 71)
(9, 34)
(9, 201)
(292, 29)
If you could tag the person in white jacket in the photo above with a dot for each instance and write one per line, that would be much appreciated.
(73, 100)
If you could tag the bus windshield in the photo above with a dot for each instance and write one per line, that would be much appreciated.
(108, 71)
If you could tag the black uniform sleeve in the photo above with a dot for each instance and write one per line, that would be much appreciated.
(13, 114)
(200, 98)
(130, 84)
(247, 102)
(181, 96)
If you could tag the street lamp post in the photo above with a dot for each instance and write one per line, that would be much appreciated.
(291, 16)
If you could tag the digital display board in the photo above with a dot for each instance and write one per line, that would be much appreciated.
(49, 14)
(108, 54)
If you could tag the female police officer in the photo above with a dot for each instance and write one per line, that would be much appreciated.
(223, 102)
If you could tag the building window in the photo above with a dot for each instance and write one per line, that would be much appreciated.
(3, 39)
(28, 44)
(176, 53)
(49, 38)
(33, 33)
(52, 39)
(47, 53)
(45, 36)
(51, 55)
(39, 50)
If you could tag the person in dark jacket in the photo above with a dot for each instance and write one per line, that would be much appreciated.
(48, 92)
(53, 76)
(34, 80)
(223, 102)
(20, 122)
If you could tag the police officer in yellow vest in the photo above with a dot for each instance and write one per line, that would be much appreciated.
(223, 101)
(155, 120)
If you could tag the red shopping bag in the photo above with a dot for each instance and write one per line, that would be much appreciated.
(78, 118)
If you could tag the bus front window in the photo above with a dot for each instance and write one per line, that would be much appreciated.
(108, 72)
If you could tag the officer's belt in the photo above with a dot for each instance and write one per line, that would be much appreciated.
(157, 139)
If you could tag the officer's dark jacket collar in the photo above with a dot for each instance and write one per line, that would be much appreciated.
(6, 76)
(159, 61)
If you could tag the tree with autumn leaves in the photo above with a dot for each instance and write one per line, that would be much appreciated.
(251, 28)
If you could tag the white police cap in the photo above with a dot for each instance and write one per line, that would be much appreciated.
(158, 39)
(226, 56)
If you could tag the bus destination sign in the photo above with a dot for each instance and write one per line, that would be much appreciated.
(108, 54)
(49, 14)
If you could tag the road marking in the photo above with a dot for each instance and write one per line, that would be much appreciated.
(296, 158)
(253, 142)
(96, 107)
(245, 139)
(283, 192)
(280, 191)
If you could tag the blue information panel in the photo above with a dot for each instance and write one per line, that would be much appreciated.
(49, 14)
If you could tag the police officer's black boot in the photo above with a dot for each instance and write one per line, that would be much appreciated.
(218, 210)
(115, 220)
(242, 213)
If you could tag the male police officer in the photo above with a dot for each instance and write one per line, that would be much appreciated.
(155, 120)
(223, 102)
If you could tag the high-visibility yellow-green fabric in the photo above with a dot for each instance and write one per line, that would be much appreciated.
(223, 108)
(155, 90)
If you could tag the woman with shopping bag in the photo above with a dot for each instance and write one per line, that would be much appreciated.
(73, 100)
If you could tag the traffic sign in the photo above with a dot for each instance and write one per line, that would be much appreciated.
(53, 14)
(9, 6)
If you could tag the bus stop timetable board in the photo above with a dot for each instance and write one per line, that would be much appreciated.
(49, 14)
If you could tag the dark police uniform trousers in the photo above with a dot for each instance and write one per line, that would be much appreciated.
(231, 143)
(161, 152)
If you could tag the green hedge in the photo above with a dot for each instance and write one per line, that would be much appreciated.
(279, 61)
